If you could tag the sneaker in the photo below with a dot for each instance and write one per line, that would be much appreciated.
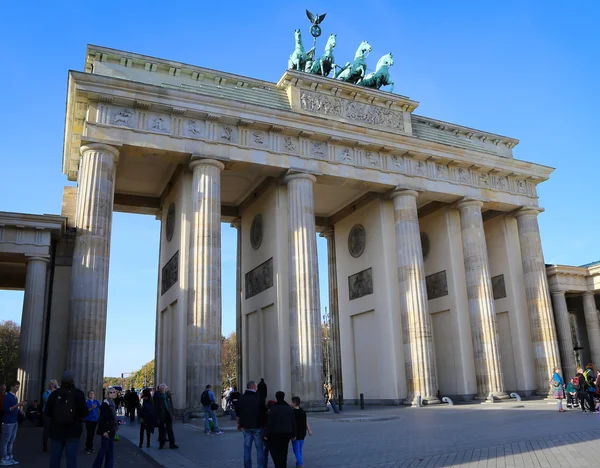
(585, 411)
(219, 432)
(12, 461)
(569, 406)
(5, 463)
(207, 432)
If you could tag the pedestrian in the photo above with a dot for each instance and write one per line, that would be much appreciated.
(91, 421)
(262, 390)
(234, 398)
(209, 404)
(52, 386)
(558, 388)
(10, 423)
(66, 409)
(146, 417)
(107, 430)
(119, 403)
(572, 400)
(2, 395)
(302, 428)
(250, 419)
(582, 393)
(163, 405)
(281, 428)
(132, 402)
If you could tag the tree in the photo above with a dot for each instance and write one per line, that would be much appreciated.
(229, 361)
(9, 350)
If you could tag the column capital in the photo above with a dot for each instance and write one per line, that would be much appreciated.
(589, 293)
(469, 202)
(236, 223)
(36, 259)
(99, 147)
(327, 233)
(528, 210)
(198, 162)
(558, 293)
(401, 192)
(299, 175)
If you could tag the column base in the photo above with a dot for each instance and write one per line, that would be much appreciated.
(315, 406)
(425, 401)
(497, 396)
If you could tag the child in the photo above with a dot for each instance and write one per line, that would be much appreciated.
(572, 394)
(301, 428)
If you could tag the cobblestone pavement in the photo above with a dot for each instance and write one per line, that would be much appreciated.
(531, 434)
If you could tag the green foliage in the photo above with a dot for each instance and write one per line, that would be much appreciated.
(229, 361)
(9, 350)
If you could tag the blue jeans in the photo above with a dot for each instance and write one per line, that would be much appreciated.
(105, 453)
(56, 449)
(255, 435)
(9, 434)
(209, 413)
(297, 447)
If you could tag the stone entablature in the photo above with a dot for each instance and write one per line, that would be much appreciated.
(29, 235)
(573, 279)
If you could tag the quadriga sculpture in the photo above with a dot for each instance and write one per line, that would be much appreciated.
(299, 57)
(324, 64)
(354, 72)
(380, 77)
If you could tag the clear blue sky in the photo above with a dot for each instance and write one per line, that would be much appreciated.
(529, 70)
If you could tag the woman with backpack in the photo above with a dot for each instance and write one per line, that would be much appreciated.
(558, 389)
(147, 417)
(107, 429)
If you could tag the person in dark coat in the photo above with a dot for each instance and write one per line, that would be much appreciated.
(132, 400)
(65, 435)
(262, 390)
(107, 429)
(147, 417)
(280, 430)
(163, 405)
(250, 418)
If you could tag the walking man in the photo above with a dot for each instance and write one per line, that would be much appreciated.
(209, 404)
(262, 390)
(132, 400)
(281, 428)
(66, 409)
(163, 405)
(250, 420)
(10, 423)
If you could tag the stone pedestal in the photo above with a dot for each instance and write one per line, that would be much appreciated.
(204, 305)
(543, 332)
(417, 331)
(334, 317)
(32, 322)
(89, 274)
(563, 330)
(484, 334)
(241, 383)
(305, 318)
(592, 325)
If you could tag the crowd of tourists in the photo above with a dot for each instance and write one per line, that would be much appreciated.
(582, 391)
(271, 426)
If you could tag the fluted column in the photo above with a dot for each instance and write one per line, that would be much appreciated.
(241, 384)
(592, 325)
(543, 332)
(563, 329)
(334, 315)
(204, 306)
(482, 313)
(305, 307)
(31, 338)
(89, 275)
(417, 331)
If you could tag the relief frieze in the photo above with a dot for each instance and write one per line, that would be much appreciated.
(351, 110)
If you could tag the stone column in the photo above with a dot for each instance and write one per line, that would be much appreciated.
(334, 316)
(417, 331)
(565, 339)
(488, 367)
(543, 333)
(89, 274)
(592, 325)
(241, 384)
(305, 307)
(31, 338)
(204, 305)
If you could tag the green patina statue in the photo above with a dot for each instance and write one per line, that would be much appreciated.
(324, 64)
(299, 58)
(354, 72)
(380, 77)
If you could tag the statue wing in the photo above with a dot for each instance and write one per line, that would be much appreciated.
(310, 16)
(321, 18)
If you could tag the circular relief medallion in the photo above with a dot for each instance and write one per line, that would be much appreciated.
(425, 245)
(170, 227)
(357, 240)
(256, 232)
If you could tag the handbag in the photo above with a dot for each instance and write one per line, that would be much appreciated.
(214, 406)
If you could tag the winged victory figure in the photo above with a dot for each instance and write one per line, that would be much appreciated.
(315, 19)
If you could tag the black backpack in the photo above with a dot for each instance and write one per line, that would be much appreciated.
(64, 408)
(204, 398)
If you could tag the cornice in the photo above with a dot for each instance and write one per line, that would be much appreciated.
(55, 223)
